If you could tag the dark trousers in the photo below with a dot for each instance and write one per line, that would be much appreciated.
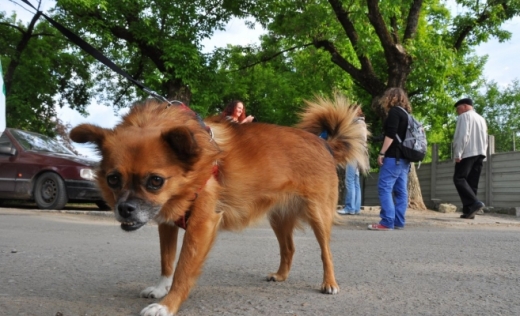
(466, 177)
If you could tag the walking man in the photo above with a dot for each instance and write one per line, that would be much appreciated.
(469, 149)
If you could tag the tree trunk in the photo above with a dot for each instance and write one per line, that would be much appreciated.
(415, 199)
(398, 64)
(177, 90)
(20, 48)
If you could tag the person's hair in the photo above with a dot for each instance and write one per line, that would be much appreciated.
(395, 97)
(229, 110)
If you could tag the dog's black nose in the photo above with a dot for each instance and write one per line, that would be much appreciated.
(126, 209)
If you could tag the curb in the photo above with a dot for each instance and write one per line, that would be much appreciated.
(368, 215)
(72, 212)
(430, 218)
(93, 213)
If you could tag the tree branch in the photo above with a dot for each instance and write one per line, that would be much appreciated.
(343, 17)
(15, 60)
(465, 31)
(413, 20)
(366, 80)
(13, 26)
(265, 59)
(122, 32)
(43, 34)
(395, 28)
(376, 19)
(398, 60)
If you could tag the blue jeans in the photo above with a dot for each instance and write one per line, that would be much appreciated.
(393, 180)
(353, 190)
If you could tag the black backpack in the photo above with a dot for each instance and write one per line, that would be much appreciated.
(414, 145)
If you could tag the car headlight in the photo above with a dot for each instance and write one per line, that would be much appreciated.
(87, 174)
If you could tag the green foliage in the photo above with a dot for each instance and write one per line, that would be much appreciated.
(157, 42)
(484, 19)
(439, 72)
(501, 109)
(48, 73)
(275, 91)
(357, 47)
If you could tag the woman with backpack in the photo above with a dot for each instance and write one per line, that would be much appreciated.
(393, 172)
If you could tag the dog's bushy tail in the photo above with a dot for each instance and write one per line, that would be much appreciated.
(337, 117)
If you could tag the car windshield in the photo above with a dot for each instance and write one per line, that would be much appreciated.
(38, 142)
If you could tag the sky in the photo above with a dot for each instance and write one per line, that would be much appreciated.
(502, 67)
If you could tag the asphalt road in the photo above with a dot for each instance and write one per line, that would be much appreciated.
(73, 264)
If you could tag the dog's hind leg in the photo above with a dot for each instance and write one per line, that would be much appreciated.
(283, 226)
(320, 219)
(168, 241)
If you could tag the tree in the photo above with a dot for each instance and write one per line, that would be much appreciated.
(359, 47)
(157, 42)
(501, 109)
(42, 71)
(274, 92)
(414, 45)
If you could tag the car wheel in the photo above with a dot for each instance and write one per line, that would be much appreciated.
(102, 205)
(49, 192)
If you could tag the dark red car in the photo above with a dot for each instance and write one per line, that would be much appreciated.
(37, 167)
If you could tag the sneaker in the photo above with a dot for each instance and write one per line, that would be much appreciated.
(378, 227)
(399, 227)
(343, 212)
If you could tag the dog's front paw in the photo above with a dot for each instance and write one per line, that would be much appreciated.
(329, 288)
(276, 277)
(156, 310)
(159, 290)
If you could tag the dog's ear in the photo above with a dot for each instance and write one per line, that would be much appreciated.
(88, 133)
(183, 144)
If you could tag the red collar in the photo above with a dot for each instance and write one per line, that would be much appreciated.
(182, 222)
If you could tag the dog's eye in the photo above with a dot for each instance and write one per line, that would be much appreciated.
(114, 181)
(154, 183)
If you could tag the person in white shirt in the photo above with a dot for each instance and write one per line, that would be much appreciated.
(469, 150)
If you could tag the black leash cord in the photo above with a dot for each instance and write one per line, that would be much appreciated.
(99, 56)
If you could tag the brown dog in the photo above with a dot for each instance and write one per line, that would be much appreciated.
(162, 164)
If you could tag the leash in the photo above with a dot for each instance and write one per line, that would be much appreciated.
(99, 56)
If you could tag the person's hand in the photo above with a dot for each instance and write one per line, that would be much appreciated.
(248, 119)
(457, 160)
(380, 160)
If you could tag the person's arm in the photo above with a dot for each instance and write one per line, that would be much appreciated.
(248, 119)
(386, 143)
